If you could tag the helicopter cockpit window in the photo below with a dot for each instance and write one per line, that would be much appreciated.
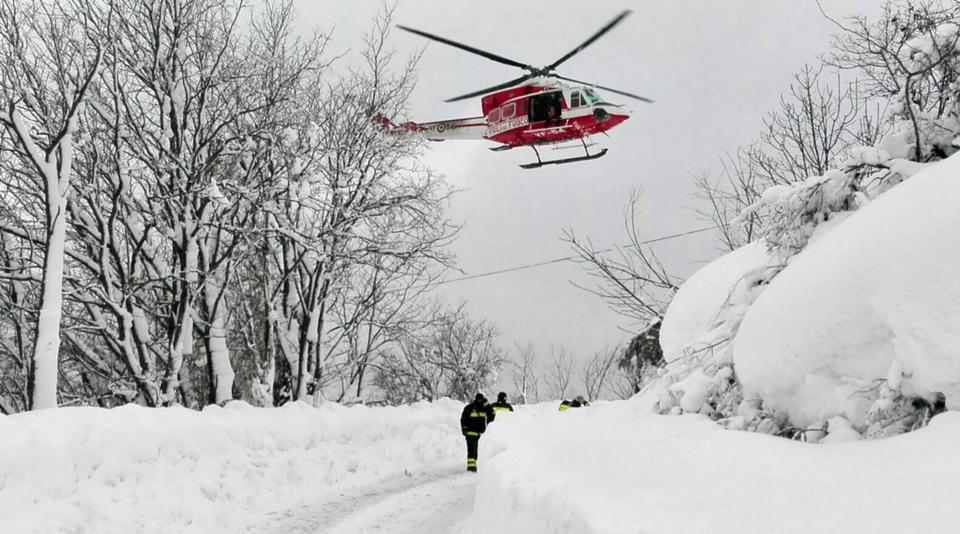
(576, 100)
(590, 96)
(508, 111)
(494, 116)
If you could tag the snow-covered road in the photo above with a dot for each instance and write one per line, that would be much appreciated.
(431, 503)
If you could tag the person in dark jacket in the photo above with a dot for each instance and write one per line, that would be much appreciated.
(473, 423)
(502, 405)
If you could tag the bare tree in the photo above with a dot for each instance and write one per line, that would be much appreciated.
(47, 68)
(559, 372)
(453, 355)
(631, 280)
(524, 376)
(598, 371)
(908, 52)
(812, 125)
(725, 199)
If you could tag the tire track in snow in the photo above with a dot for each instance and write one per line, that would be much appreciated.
(431, 503)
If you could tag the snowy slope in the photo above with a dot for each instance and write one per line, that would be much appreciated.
(131, 469)
(618, 468)
(873, 302)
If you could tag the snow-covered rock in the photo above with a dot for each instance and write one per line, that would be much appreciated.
(874, 300)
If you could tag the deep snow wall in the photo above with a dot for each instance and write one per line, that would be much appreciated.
(874, 302)
(616, 467)
(134, 469)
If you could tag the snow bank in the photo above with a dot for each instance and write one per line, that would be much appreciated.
(698, 330)
(874, 302)
(134, 469)
(694, 311)
(616, 468)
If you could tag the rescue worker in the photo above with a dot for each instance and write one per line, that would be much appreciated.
(473, 423)
(502, 405)
(577, 402)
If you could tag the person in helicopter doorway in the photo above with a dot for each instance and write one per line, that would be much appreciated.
(577, 402)
(473, 423)
(553, 114)
(502, 405)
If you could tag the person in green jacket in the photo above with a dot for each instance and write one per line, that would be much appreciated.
(502, 405)
(577, 402)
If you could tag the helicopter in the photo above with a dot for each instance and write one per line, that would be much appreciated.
(536, 109)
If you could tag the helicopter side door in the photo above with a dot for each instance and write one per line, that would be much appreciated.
(546, 107)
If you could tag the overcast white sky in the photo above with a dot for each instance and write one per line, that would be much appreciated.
(713, 67)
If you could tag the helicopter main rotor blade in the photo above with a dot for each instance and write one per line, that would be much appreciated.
(612, 90)
(497, 87)
(589, 41)
(467, 48)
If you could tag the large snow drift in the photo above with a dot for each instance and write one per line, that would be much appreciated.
(617, 468)
(875, 299)
(134, 469)
(691, 318)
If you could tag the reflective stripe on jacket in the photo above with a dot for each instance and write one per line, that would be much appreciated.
(474, 419)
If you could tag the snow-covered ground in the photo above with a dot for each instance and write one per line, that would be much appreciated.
(133, 469)
(432, 503)
(619, 468)
(614, 467)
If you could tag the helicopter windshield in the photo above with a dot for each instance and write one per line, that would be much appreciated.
(590, 96)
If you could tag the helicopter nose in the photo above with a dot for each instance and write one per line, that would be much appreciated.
(603, 115)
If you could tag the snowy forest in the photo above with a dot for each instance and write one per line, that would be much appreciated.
(194, 209)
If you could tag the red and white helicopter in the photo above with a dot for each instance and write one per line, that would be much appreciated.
(535, 109)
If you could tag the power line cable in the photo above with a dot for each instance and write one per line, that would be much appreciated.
(568, 258)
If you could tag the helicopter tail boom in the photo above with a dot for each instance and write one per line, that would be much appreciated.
(469, 128)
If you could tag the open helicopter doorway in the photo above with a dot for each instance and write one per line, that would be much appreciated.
(546, 107)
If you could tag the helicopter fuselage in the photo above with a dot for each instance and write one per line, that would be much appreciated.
(544, 112)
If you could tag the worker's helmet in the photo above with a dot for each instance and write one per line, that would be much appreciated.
(479, 396)
(580, 399)
(502, 396)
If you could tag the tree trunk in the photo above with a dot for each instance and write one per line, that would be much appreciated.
(43, 382)
(218, 354)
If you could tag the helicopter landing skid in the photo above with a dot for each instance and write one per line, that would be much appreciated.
(541, 163)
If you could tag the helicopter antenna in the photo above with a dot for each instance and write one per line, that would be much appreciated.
(532, 72)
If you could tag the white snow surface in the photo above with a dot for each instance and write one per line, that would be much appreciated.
(138, 470)
(619, 468)
(874, 299)
(693, 313)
